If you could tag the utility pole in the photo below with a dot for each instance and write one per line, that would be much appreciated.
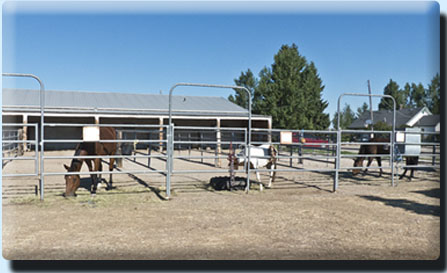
(370, 107)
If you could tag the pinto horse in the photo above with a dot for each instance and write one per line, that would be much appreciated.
(378, 149)
(260, 156)
(73, 181)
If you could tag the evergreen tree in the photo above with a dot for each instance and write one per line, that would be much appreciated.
(291, 92)
(347, 116)
(248, 81)
(363, 109)
(406, 93)
(392, 89)
(417, 95)
(433, 94)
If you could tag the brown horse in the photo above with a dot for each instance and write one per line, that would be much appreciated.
(381, 149)
(410, 161)
(73, 181)
(378, 149)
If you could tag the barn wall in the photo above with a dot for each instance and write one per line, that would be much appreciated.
(105, 120)
(12, 119)
(192, 122)
(67, 132)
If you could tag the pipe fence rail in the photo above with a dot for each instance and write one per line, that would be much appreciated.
(195, 146)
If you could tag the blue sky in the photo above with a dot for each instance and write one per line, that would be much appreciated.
(148, 47)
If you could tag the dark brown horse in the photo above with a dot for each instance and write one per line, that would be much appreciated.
(410, 161)
(73, 181)
(378, 149)
(381, 149)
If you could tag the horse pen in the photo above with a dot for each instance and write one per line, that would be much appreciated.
(303, 216)
(298, 218)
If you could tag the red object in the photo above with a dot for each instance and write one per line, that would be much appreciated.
(308, 140)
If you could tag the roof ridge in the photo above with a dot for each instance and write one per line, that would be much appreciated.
(110, 92)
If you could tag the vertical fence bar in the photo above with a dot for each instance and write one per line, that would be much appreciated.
(291, 154)
(36, 149)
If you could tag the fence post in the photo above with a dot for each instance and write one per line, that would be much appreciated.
(201, 147)
(119, 161)
(218, 145)
(169, 146)
(433, 159)
(149, 151)
(20, 147)
(291, 154)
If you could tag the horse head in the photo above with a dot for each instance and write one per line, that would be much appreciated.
(72, 182)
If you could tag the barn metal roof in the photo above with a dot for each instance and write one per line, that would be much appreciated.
(106, 102)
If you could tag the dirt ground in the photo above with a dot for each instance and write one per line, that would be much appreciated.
(300, 218)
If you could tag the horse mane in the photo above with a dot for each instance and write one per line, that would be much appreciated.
(75, 162)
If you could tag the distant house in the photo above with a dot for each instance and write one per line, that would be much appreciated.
(429, 123)
(404, 118)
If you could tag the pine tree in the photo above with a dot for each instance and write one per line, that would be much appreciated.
(248, 81)
(406, 93)
(392, 89)
(433, 94)
(291, 92)
(363, 109)
(347, 116)
(417, 95)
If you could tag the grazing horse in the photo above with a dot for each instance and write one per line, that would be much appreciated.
(260, 156)
(73, 181)
(410, 161)
(378, 149)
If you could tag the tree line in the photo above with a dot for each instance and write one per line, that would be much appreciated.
(412, 95)
(290, 91)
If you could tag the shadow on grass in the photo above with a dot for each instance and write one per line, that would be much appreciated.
(406, 205)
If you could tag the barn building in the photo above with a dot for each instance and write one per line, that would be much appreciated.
(23, 106)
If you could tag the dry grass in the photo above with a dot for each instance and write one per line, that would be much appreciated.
(299, 218)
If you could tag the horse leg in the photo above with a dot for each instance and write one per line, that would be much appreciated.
(404, 173)
(94, 176)
(112, 161)
(370, 160)
(99, 175)
(415, 162)
(258, 177)
(272, 174)
(379, 161)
